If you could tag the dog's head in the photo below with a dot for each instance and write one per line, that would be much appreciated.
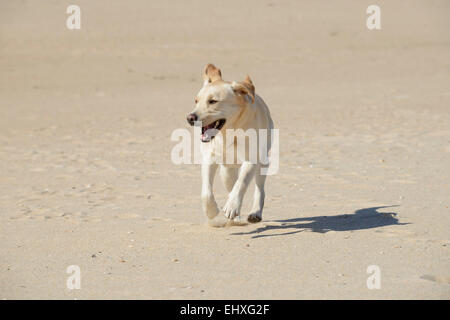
(219, 103)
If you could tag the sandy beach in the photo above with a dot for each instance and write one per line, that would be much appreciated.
(86, 176)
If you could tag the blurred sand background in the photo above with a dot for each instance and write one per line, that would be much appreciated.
(86, 177)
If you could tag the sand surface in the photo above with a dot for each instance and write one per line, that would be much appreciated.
(86, 177)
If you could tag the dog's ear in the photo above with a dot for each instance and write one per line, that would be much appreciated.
(250, 87)
(211, 74)
(245, 87)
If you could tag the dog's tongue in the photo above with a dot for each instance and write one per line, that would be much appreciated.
(205, 137)
(208, 132)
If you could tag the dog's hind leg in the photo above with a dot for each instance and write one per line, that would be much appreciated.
(258, 200)
(208, 202)
(229, 176)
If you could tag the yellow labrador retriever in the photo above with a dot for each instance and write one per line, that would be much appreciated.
(227, 112)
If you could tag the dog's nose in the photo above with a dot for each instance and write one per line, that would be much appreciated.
(191, 118)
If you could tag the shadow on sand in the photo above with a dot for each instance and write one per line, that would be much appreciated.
(366, 218)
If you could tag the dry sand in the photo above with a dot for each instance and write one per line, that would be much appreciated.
(86, 177)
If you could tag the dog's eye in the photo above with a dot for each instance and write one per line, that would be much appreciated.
(196, 100)
(212, 101)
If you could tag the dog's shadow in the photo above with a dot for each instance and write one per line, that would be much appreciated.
(366, 218)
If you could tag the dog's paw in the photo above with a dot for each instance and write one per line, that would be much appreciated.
(210, 206)
(254, 217)
(218, 222)
(231, 208)
(212, 213)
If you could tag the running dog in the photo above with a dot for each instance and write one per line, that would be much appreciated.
(223, 106)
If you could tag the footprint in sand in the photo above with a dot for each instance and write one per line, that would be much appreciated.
(127, 216)
(438, 279)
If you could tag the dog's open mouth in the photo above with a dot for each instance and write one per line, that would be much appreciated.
(210, 131)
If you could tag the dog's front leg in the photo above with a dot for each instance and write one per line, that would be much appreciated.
(233, 205)
(208, 202)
